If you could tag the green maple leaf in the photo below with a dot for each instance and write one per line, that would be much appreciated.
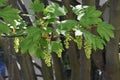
(90, 17)
(105, 31)
(9, 14)
(54, 10)
(56, 45)
(39, 53)
(4, 28)
(37, 6)
(67, 24)
(92, 12)
(96, 41)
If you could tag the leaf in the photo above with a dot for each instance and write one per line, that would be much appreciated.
(96, 14)
(2, 2)
(56, 45)
(47, 30)
(67, 25)
(43, 42)
(9, 14)
(87, 22)
(32, 48)
(39, 53)
(4, 28)
(79, 10)
(92, 12)
(96, 41)
(90, 17)
(37, 6)
(32, 40)
(105, 30)
(54, 10)
(99, 43)
(36, 36)
(24, 44)
(32, 31)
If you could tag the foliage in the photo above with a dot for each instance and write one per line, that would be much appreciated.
(2, 2)
(37, 6)
(4, 28)
(105, 30)
(88, 31)
(53, 11)
(9, 15)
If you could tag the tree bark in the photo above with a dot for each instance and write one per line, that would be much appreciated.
(27, 68)
(112, 68)
(25, 61)
(72, 51)
(57, 67)
(85, 66)
(47, 71)
(10, 59)
(97, 63)
(88, 2)
(74, 62)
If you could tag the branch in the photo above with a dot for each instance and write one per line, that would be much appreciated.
(59, 2)
(70, 14)
(74, 2)
(24, 11)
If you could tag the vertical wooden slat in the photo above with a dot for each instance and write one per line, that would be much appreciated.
(112, 68)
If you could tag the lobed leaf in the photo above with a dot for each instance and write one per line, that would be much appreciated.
(54, 11)
(67, 25)
(56, 45)
(105, 30)
(24, 44)
(39, 53)
(90, 17)
(4, 28)
(9, 14)
(37, 6)
(92, 12)
(96, 41)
